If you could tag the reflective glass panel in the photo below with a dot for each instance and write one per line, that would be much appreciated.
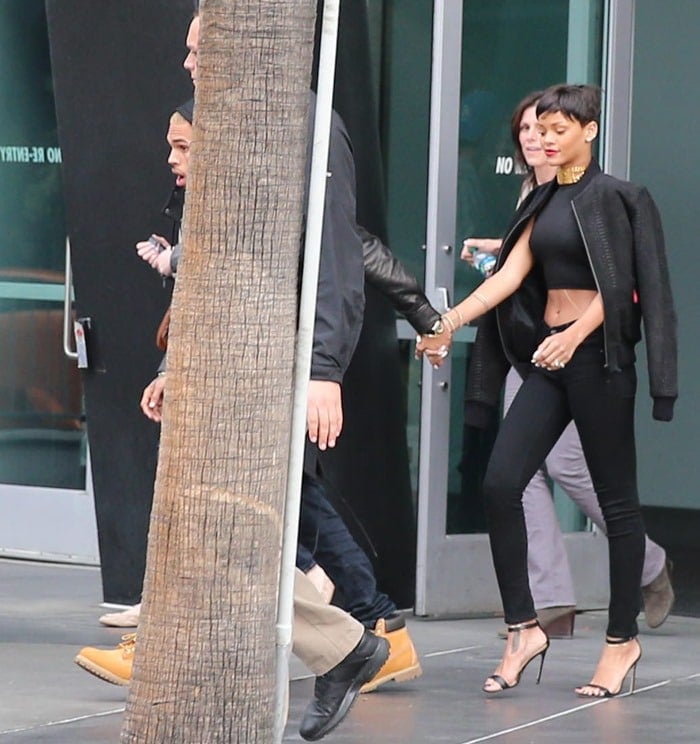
(42, 428)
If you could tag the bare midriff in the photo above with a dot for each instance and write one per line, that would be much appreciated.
(567, 305)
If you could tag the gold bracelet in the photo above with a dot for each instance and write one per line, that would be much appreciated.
(459, 315)
(446, 319)
(482, 300)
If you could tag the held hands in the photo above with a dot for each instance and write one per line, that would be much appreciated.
(555, 351)
(324, 413)
(435, 346)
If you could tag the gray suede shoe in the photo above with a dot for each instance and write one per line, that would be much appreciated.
(658, 597)
(128, 618)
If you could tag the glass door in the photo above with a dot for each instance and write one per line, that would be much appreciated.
(44, 469)
(486, 56)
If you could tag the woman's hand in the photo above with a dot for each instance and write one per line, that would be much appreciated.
(470, 246)
(555, 351)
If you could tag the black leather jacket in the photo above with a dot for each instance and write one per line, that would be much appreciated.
(622, 234)
(387, 274)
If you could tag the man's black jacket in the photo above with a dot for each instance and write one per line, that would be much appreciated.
(340, 301)
(387, 274)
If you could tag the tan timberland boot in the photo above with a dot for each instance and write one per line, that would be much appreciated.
(402, 664)
(112, 665)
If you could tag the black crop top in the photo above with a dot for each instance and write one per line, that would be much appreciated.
(557, 245)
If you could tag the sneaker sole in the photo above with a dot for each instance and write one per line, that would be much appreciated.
(374, 664)
(98, 671)
(403, 675)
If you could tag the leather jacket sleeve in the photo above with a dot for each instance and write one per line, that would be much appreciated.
(658, 314)
(387, 274)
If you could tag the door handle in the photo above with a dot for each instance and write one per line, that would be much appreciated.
(443, 299)
(67, 306)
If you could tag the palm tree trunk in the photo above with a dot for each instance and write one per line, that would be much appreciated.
(205, 660)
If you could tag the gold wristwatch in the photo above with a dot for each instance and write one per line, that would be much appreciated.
(437, 329)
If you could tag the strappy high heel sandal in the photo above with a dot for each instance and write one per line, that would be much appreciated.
(502, 683)
(605, 692)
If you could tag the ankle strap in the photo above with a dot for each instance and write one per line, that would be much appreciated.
(523, 626)
(618, 641)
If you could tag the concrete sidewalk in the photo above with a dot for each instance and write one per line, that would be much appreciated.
(50, 611)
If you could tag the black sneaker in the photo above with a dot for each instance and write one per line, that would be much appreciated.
(337, 690)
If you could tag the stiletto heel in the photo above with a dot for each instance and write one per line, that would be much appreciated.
(502, 683)
(633, 681)
(599, 690)
(539, 672)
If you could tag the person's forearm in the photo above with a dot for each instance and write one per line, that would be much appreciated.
(496, 288)
(591, 318)
(490, 293)
(385, 272)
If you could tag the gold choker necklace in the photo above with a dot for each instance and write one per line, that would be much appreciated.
(570, 174)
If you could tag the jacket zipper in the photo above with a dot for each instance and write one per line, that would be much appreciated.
(595, 278)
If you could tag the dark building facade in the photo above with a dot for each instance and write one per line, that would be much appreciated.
(441, 79)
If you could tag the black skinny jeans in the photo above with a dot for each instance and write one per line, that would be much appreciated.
(602, 405)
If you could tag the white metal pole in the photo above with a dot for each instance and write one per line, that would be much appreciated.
(307, 313)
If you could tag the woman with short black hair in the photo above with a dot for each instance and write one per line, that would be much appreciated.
(581, 266)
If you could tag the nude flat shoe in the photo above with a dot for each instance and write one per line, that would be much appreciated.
(128, 618)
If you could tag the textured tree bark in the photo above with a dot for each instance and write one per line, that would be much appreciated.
(205, 661)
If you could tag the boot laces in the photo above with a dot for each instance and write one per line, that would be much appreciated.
(128, 644)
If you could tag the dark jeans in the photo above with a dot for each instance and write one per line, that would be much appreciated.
(602, 405)
(324, 539)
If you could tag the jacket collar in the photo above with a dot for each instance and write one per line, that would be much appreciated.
(175, 204)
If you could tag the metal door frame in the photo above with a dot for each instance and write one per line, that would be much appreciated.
(51, 524)
(443, 586)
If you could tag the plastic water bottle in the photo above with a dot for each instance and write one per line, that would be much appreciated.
(484, 263)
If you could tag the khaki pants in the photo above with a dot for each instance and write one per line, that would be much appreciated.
(323, 635)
